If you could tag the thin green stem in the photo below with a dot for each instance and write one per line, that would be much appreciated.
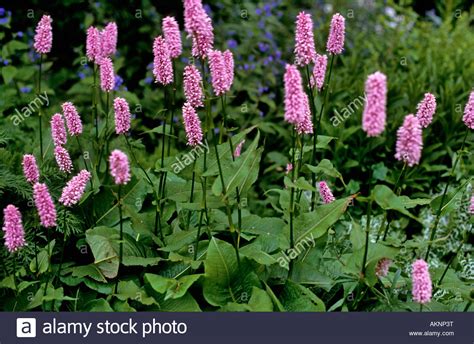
(191, 196)
(367, 233)
(395, 189)
(39, 112)
(449, 264)
(292, 197)
(440, 208)
(121, 235)
(316, 131)
(94, 102)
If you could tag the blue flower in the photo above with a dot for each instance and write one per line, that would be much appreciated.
(2, 11)
(258, 11)
(207, 8)
(5, 62)
(4, 20)
(81, 75)
(148, 80)
(19, 34)
(263, 47)
(118, 82)
(25, 89)
(232, 43)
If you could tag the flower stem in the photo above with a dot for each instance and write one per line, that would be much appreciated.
(191, 196)
(94, 102)
(367, 232)
(121, 235)
(440, 208)
(316, 130)
(395, 189)
(292, 197)
(39, 113)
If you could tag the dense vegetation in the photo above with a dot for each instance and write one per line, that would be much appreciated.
(198, 231)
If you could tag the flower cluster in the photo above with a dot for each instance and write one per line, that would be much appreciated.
(162, 64)
(426, 109)
(122, 116)
(74, 189)
(192, 86)
(198, 25)
(409, 141)
(335, 43)
(13, 228)
(325, 193)
(305, 51)
(30, 169)
(119, 167)
(44, 205)
(319, 72)
(192, 125)
(374, 116)
(172, 36)
(44, 35)
(421, 282)
(73, 121)
(221, 65)
(468, 117)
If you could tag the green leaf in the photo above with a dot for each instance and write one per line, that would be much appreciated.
(99, 305)
(387, 200)
(241, 173)
(129, 290)
(260, 301)
(103, 242)
(296, 298)
(314, 224)
(8, 73)
(90, 270)
(224, 280)
(327, 168)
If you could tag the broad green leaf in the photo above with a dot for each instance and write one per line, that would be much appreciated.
(260, 301)
(90, 270)
(327, 168)
(388, 200)
(225, 281)
(99, 305)
(310, 226)
(296, 298)
(8, 73)
(103, 242)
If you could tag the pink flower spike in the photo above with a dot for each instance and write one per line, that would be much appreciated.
(73, 121)
(172, 36)
(192, 125)
(421, 282)
(319, 72)
(304, 47)
(218, 69)
(58, 130)
(426, 109)
(122, 116)
(471, 206)
(294, 96)
(238, 149)
(75, 188)
(374, 116)
(44, 205)
(409, 141)
(198, 25)
(93, 44)
(468, 117)
(107, 76)
(335, 43)
(325, 193)
(192, 86)
(13, 228)
(162, 65)
(381, 269)
(119, 167)
(30, 168)
(44, 35)
(109, 40)
(289, 168)
(63, 159)
(229, 66)
(305, 126)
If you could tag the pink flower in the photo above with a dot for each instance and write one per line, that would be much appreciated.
(44, 35)
(172, 36)
(30, 168)
(109, 40)
(58, 130)
(335, 43)
(192, 86)
(162, 65)
(381, 269)
(409, 141)
(319, 72)
(93, 45)
(305, 126)
(289, 167)
(44, 205)
(122, 116)
(73, 121)
(304, 47)
(107, 76)
(198, 25)
(74, 189)
(468, 117)
(294, 96)
(63, 159)
(219, 70)
(192, 125)
(238, 149)
(426, 109)
(119, 167)
(325, 193)
(421, 282)
(229, 66)
(471, 206)
(374, 116)
(13, 228)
